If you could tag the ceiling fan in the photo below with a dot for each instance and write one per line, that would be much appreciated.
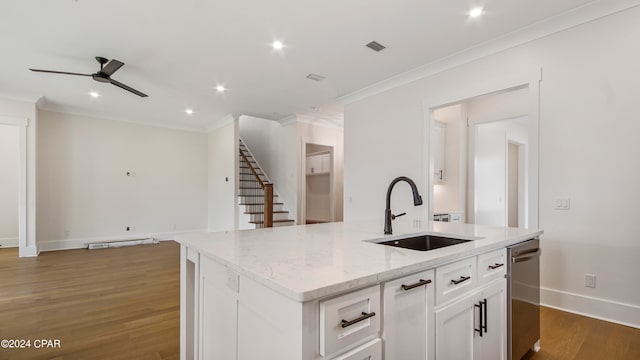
(103, 75)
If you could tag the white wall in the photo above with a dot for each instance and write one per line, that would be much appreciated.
(9, 160)
(327, 136)
(85, 195)
(588, 147)
(222, 158)
(275, 148)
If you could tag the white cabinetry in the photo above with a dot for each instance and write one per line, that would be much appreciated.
(457, 311)
(349, 319)
(437, 150)
(318, 164)
(408, 317)
(471, 322)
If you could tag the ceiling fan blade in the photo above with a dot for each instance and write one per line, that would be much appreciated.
(112, 67)
(59, 72)
(123, 86)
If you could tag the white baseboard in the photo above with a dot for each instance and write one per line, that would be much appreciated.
(9, 242)
(612, 311)
(69, 244)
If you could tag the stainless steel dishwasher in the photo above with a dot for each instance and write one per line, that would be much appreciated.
(523, 291)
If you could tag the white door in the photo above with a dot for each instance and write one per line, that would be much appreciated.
(408, 305)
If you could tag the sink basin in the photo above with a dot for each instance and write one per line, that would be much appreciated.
(423, 242)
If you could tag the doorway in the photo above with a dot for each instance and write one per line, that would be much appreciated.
(319, 192)
(516, 185)
(26, 245)
(486, 171)
(9, 185)
(496, 171)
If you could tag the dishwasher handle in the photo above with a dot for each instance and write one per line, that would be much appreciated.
(526, 256)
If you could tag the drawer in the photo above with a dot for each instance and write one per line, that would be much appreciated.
(455, 279)
(349, 319)
(492, 266)
(369, 351)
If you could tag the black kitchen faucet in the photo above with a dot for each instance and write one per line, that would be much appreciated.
(388, 216)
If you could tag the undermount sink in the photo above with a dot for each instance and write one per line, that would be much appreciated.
(423, 242)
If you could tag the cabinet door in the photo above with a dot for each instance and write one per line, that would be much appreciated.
(369, 351)
(493, 343)
(314, 164)
(218, 311)
(455, 330)
(408, 305)
(325, 163)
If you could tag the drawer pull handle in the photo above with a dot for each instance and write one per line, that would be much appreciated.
(364, 316)
(462, 279)
(493, 267)
(413, 286)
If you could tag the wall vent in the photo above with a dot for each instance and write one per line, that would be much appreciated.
(315, 77)
(121, 243)
(376, 46)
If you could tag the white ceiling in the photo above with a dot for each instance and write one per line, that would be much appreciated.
(178, 51)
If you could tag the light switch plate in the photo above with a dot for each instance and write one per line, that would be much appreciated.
(563, 203)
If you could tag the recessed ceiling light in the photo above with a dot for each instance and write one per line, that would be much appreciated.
(220, 88)
(94, 94)
(277, 45)
(189, 111)
(475, 12)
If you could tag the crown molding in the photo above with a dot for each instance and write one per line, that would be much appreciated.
(93, 116)
(226, 120)
(286, 121)
(548, 26)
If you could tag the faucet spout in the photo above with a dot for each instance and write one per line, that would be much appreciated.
(417, 200)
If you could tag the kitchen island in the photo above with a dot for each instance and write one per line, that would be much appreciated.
(329, 291)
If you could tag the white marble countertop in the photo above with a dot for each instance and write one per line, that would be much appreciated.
(308, 262)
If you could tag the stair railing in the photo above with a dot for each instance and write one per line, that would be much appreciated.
(267, 189)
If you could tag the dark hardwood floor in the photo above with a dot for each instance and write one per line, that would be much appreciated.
(124, 304)
(101, 304)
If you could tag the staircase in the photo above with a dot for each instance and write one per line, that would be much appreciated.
(251, 195)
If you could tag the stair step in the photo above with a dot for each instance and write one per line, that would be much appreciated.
(275, 221)
(252, 195)
(262, 212)
(261, 204)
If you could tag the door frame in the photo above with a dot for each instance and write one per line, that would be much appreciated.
(302, 194)
(484, 86)
(23, 248)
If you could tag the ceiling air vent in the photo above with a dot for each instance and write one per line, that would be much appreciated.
(315, 77)
(375, 46)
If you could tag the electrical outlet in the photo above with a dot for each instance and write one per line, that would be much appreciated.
(589, 280)
(131, 228)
